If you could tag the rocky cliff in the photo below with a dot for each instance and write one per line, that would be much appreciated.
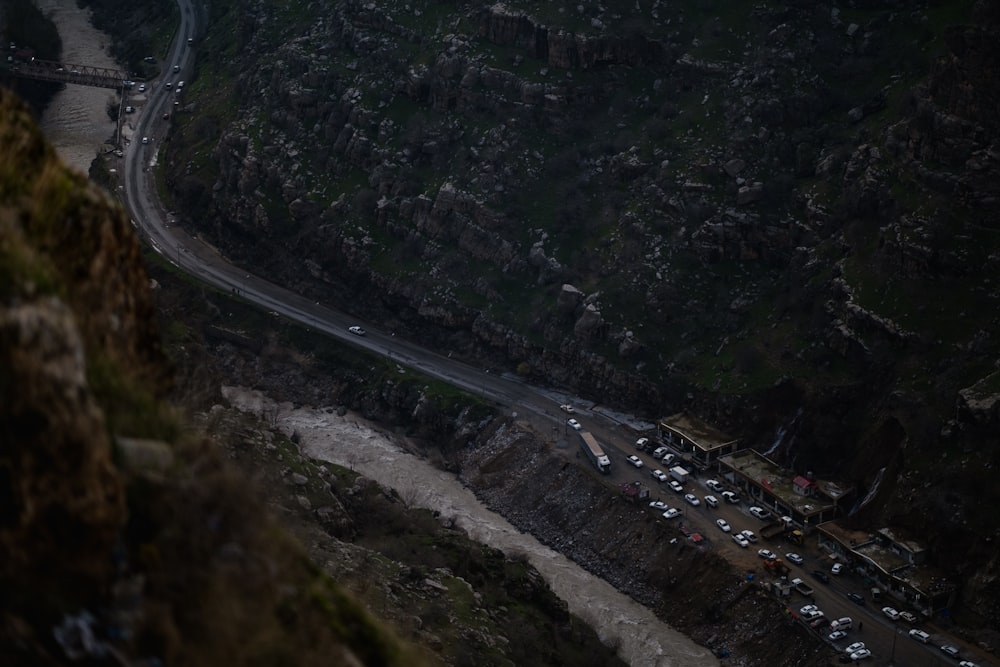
(122, 539)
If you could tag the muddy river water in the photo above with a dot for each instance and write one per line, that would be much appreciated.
(348, 440)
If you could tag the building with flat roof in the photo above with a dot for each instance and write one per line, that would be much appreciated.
(700, 443)
(808, 501)
(892, 563)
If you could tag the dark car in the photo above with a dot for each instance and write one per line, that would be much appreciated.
(822, 576)
(856, 599)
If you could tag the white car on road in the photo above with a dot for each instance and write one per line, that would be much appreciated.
(676, 486)
(574, 424)
(692, 499)
(715, 485)
(795, 558)
(567, 408)
(659, 505)
(766, 554)
(891, 613)
(760, 513)
(740, 540)
(356, 330)
(659, 475)
(723, 524)
(635, 460)
(671, 513)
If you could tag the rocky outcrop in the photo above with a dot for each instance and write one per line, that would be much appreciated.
(125, 552)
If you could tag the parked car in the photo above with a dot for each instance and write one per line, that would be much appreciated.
(766, 554)
(856, 646)
(692, 499)
(749, 535)
(356, 330)
(711, 501)
(671, 513)
(676, 486)
(142, 87)
(891, 613)
(145, 140)
(659, 505)
(659, 452)
(967, 663)
(920, 635)
(908, 617)
(854, 597)
(837, 568)
(635, 460)
(843, 623)
(730, 497)
(714, 484)
(565, 407)
(809, 608)
(740, 540)
(760, 513)
(836, 634)
(667, 459)
(641, 443)
(177, 68)
(574, 424)
(950, 650)
(723, 524)
(129, 109)
(813, 615)
(863, 654)
(794, 558)
(659, 475)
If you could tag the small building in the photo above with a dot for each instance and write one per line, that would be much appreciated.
(809, 502)
(697, 442)
(803, 486)
(892, 563)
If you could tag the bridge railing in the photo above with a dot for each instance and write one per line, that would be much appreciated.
(84, 75)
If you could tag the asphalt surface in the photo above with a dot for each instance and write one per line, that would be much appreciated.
(615, 432)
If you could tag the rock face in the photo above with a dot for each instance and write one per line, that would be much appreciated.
(760, 225)
(62, 494)
(132, 553)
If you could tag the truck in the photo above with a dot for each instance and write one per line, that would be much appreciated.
(594, 452)
(802, 587)
(776, 567)
(773, 529)
(680, 474)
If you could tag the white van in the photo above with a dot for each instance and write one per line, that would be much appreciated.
(844, 623)
(711, 501)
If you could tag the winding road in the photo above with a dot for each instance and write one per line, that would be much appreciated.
(201, 260)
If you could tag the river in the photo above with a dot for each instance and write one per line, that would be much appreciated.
(350, 441)
(76, 121)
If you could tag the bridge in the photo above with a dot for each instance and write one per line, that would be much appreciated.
(82, 75)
